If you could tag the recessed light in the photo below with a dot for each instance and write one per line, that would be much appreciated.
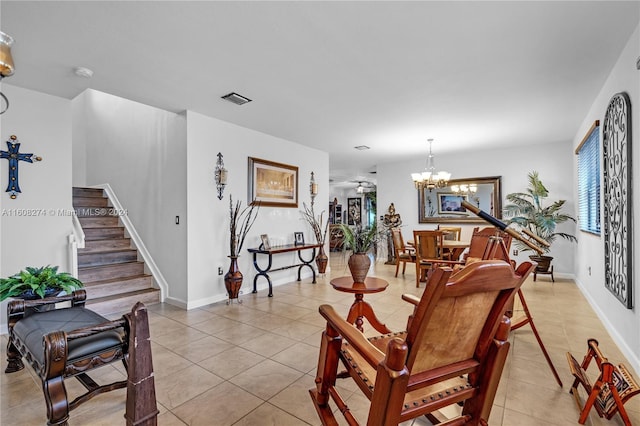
(361, 147)
(235, 98)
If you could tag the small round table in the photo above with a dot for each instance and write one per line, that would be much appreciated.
(360, 308)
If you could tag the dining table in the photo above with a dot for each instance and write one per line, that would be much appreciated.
(455, 247)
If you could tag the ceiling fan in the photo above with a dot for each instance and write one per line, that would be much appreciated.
(364, 186)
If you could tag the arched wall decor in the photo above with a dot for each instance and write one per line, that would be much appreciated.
(616, 156)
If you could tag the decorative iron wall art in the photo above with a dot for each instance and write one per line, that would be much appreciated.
(616, 153)
(14, 156)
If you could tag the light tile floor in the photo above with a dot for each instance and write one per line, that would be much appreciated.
(252, 364)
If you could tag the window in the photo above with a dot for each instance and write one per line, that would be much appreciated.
(589, 180)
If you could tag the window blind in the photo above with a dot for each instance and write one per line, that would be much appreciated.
(589, 181)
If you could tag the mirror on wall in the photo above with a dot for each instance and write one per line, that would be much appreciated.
(442, 205)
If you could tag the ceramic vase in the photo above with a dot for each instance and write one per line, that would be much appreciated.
(233, 279)
(359, 264)
(322, 260)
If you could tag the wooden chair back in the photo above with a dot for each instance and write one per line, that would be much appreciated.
(480, 241)
(455, 320)
(429, 252)
(428, 244)
(398, 241)
(451, 232)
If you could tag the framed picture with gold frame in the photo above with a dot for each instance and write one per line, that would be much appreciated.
(272, 184)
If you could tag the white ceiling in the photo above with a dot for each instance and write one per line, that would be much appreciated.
(334, 75)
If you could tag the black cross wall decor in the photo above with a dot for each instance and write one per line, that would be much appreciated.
(15, 156)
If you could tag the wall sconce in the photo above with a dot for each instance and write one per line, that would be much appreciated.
(221, 176)
(313, 188)
(6, 63)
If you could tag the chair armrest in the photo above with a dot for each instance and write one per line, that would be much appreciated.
(19, 305)
(356, 339)
(414, 300)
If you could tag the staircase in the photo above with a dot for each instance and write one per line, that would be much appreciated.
(108, 265)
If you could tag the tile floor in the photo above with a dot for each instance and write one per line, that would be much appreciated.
(252, 364)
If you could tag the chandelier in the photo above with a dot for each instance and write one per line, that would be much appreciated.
(470, 189)
(429, 179)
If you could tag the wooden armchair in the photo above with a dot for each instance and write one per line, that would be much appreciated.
(453, 351)
(69, 342)
(430, 253)
(403, 254)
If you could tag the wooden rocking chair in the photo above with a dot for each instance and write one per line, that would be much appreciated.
(453, 351)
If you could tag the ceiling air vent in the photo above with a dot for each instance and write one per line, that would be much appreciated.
(233, 97)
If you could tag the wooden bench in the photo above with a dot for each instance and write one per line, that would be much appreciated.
(65, 342)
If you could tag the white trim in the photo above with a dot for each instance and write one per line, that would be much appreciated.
(247, 288)
(158, 278)
(76, 241)
(632, 357)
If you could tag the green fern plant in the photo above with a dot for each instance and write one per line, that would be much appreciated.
(359, 239)
(38, 281)
(527, 209)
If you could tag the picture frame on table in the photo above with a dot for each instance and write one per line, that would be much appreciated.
(298, 238)
(265, 242)
(451, 203)
(272, 184)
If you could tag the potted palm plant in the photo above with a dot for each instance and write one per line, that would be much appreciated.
(319, 229)
(528, 209)
(42, 282)
(360, 241)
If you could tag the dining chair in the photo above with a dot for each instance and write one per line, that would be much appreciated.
(480, 240)
(403, 254)
(430, 253)
(451, 232)
(452, 352)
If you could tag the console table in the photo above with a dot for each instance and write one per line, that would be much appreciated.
(277, 250)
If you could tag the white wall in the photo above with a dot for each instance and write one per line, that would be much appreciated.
(79, 126)
(42, 124)
(623, 324)
(208, 217)
(513, 164)
(141, 152)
